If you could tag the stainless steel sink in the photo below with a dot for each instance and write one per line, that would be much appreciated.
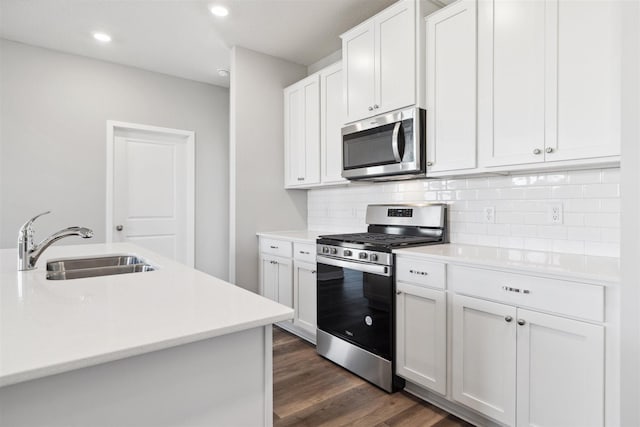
(76, 268)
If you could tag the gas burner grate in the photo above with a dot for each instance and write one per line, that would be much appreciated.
(382, 239)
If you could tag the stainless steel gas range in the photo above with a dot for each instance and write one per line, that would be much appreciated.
(356, 288)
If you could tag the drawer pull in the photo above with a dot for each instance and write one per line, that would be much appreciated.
(421, 273)
(516, 290)
(273, 247)
(521, 322)
(313, 272)
(304, 253)
(273, 262)
(508, 319)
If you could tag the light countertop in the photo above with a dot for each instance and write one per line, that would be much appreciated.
(303, 236)
(53, 326)
(567, 266)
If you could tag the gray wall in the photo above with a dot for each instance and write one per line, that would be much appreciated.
(259, 201)
(53, 113)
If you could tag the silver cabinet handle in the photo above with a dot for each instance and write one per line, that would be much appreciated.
(304, 253)
(398, 292)
(429, 163)
(300, 178)
(549, 150)
(421, 273)
(376, 106)
(537, 151)
(508, 319)
(370, 108)
(516, 290)
(521, 322)
(119, 227)
(273, 247)
(313, 272)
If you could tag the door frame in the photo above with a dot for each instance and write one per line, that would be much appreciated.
(112, 127)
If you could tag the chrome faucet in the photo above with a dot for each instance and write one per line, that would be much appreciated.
(28, 252)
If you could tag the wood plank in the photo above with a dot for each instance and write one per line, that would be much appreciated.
(312, 391)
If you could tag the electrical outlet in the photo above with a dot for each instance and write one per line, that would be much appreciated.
(554, 213)
(489, 215)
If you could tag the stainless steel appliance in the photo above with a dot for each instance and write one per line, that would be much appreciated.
(356, 288)
(387, 147)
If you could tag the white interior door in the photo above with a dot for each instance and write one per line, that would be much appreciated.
(152, 195)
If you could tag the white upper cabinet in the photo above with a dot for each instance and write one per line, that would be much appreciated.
(451, 88)
(379, 58)
(585, 121)
(548, 80)
(313, 118)
(331, 117)
(302, 132)
(511, 79)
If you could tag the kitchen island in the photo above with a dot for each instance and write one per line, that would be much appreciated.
(173, 346)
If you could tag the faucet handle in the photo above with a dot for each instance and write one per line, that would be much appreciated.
(27, 225)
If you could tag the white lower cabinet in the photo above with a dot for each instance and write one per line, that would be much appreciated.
(421, 338)
(288, 276)
(527, 368)
(275, 279)
(304, 296)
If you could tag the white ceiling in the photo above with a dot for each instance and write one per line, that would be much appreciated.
(181, 37)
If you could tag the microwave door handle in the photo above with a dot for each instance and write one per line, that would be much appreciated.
(395, 142)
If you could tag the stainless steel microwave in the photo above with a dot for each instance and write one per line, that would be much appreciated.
(387, 147)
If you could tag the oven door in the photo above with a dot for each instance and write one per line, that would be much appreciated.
(355, 303)
(383, 146)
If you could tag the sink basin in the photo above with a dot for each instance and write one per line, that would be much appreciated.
(77, 268)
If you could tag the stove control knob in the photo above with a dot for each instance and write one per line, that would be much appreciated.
(347, 252)
(334, 251)
(362, 255)
(373, 257)
(325, 250)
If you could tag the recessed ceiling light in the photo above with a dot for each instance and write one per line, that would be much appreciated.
(102, 37)
(218, 10)
(222, 72)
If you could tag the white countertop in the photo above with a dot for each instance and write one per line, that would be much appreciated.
(567, 266)
(304, 236)
(53, 326)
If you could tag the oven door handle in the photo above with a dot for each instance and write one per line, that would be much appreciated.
(380, 270)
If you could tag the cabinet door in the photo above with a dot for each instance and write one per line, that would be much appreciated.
(451, 88)
(583, 108)
(269, 278)
(484, 357)
(421, 336)
(511, 81)
(304, 285)
(285, 281)
(302, 132)
(395, 69)
(560, 371)
(359, 80)
(331, 119)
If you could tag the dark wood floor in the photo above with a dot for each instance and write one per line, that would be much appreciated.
(311, 391)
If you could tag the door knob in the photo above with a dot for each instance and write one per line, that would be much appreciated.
(537, 151)
(508, 319)
(521, 322)
(119, 227)
(549, 150)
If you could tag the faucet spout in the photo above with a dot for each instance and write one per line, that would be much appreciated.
(28, 252)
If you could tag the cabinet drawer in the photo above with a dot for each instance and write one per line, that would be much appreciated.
(420, 272)
(275, 247)
(558, 296)
(304, 252)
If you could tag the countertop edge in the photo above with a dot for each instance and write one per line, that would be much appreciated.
(23, 376)
(588, 278)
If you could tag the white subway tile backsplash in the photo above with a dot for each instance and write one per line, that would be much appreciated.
(590, 200)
